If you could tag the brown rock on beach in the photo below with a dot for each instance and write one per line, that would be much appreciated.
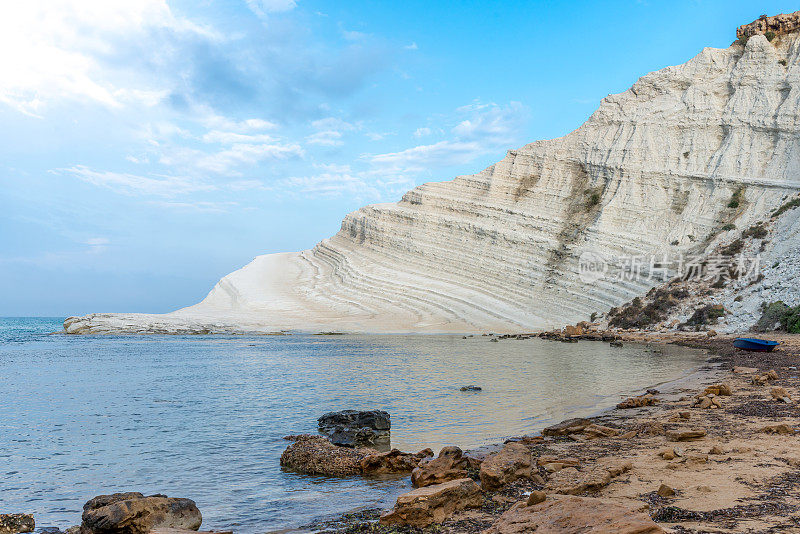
(637, 402)
(451, 464)
(133, 513)
(570, 481)
(512, 462)
(392, 462)
(686, 435)
(433, 504)
(575, 515)
(317, 456)
(564, 428)
(16, 523)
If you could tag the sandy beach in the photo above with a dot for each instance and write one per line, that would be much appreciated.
(741, 474)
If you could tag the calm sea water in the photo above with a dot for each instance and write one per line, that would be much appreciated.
(203, 416)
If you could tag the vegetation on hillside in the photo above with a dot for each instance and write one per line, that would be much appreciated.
(778, 316)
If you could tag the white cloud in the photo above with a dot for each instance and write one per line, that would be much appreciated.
(132, 184)
(439, 154)
(422, 132)
(325, 138)
(51, 50)
(332, 123)
(214, 121)
(485, 129)
(412, 46)
(264, 7)
(218, 136)
(97, 241)
(200, 206)
(330, 131)
(230, 160)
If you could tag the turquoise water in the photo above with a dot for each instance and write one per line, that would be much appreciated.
(203, 416)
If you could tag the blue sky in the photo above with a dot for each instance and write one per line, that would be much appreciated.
(149, 148)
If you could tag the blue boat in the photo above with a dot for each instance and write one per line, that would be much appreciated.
(755, 345)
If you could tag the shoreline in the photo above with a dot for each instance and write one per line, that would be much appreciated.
(729, 492)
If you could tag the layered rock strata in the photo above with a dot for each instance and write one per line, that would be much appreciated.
(657, 171)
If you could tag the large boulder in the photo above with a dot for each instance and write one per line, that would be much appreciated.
(575, 515)
(451, 464)
(16, 523)
(433, 504)
(133, 513)
(352, 428)
(512, 462)
(316, 455)
(393, 461)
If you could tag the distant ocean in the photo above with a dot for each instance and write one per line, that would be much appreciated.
(203, 417)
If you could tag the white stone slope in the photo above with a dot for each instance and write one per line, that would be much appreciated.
(651, 172)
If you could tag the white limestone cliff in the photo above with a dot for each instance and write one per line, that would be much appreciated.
(652, 171)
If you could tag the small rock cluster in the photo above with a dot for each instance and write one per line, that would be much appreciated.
(16, 523)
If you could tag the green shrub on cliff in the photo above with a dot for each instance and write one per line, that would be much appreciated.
(769, 35)
(743, 39)
(757, 231)
(778, 316)
(792, 204)
(736, 198)
(708, 314)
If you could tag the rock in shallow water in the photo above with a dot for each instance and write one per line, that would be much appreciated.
(133, 513)
(315, 455)
(352, 428)
(16, 523)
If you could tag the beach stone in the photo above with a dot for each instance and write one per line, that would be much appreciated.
(566, 427)
(536, 497)
(778, 429)
(716, 450)
(393, 461)
(512, 462)
(665, 491)
(571, 330)
(16, 523)
(570, 481)
(315, 455)
(561, 514)
(667, 454)
(705, 402)
(433, 504)
(599, 431)
(451, 464)
(685, 435)
(352, 428)
(779, 393)
(739, 370)
(637, 402)
(133, 513)
(718, 389)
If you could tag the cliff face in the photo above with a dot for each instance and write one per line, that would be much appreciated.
(652, 172)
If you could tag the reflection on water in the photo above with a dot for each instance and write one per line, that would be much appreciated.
(203, 417)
